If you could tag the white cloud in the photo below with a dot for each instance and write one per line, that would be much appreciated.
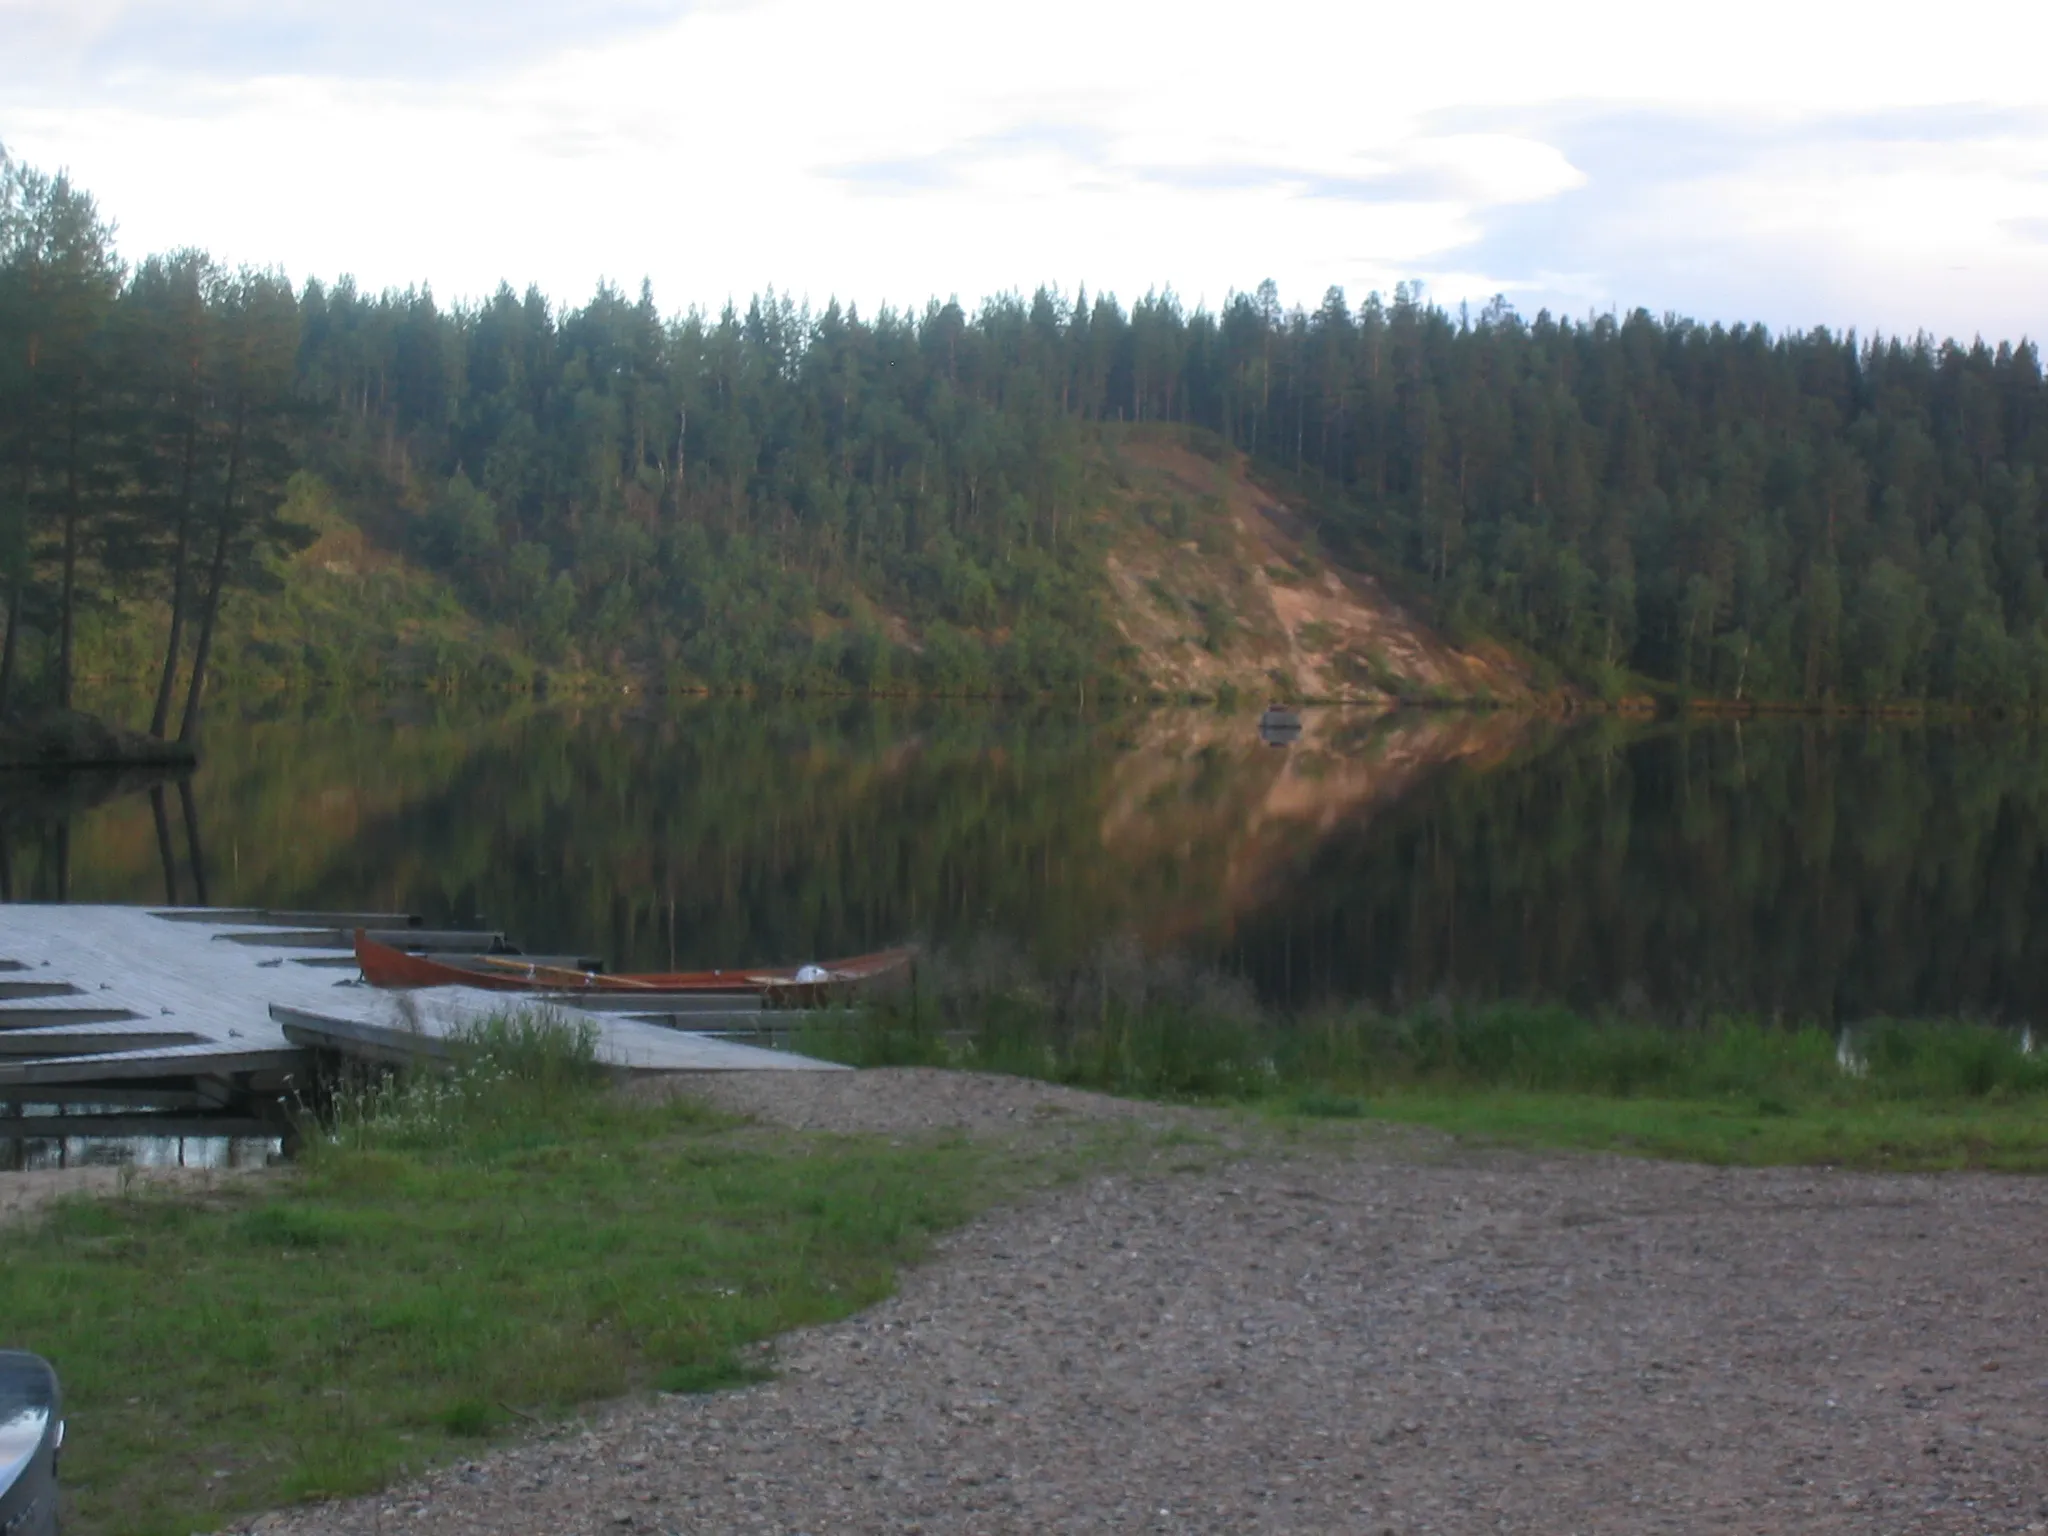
(1891, 219)
(83, 48)
(1752, 161)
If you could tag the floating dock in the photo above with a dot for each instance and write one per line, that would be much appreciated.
(205, 1007)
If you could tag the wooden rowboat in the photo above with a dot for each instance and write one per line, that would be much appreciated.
(384, 966)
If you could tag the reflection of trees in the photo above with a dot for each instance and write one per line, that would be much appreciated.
(191, 813)
(1816, 869)
(39, 811)
(717, 831)
(166, 855)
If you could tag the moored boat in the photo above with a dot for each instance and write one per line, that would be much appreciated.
(31, 1433)
(385, 966)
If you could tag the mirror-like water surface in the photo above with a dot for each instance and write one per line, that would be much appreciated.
(1827, 870)
(34, 1154)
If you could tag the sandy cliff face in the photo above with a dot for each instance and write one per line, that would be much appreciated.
(1217, 583)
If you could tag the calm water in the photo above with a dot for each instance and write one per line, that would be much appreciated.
(1829, 871)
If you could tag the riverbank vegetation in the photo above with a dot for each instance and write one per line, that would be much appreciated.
(778, 497)
(1884, 1093)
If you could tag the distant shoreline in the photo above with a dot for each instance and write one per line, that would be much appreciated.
(66, 738)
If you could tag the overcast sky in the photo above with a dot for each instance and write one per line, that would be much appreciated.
(1883, 165)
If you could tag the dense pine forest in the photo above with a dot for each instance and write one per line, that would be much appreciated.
(783, 496)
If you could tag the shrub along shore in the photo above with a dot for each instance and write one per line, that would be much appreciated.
(1882, 1094)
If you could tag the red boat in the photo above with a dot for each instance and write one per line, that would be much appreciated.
(384, 966)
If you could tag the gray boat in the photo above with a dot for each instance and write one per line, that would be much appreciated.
(1280, 726)
(31, 1434)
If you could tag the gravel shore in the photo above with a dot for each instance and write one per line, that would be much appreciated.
(1380, 1334)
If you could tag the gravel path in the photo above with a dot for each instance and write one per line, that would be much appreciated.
(916, 1101)
(1366, 1338)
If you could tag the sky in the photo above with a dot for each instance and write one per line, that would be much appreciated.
(1877, 166)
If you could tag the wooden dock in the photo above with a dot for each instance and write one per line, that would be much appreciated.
(215, 1005)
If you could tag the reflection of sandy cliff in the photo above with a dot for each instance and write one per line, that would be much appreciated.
(1217, 818)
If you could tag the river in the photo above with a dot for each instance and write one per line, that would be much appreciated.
(1824, 870)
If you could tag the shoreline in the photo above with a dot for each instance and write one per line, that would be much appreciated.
(584, 689)
(1343, 1332)
(1096, 1267)
(61, 740)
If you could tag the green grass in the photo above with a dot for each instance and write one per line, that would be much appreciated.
(460, 1255)
(1899, 1137)
(1883, 1094)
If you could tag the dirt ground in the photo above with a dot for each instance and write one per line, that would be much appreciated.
(22, 1194)
(1371, 1334)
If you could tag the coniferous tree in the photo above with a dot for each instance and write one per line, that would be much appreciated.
(780, 497)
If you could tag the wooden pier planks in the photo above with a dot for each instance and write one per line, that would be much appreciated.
(89, 1042)
(415, 940)
(265, 917)
(398, 1027)
(113, 988)
(197, 1062)
(167, 975)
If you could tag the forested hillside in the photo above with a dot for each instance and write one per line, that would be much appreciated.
(781, 496)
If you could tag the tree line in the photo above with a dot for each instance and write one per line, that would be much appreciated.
(148, 422)
(1800, 516)
(780, 496)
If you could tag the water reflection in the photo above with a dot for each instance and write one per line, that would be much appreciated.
(152, 1126)
(34, 1154)
(1821, 869)
(39, 808)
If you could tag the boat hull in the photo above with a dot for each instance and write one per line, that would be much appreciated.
(384, 966)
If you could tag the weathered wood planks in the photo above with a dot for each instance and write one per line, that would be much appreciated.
(135, 1000)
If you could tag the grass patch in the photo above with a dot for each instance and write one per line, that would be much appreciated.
(1886, 1136)
(1883, 1094)
(459, 1254)
(1328, 1106)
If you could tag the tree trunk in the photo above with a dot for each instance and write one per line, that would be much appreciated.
(188, 728)
(10, 649)
(68, 596)
(10, 654)
(198, 860)
(160, 720)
